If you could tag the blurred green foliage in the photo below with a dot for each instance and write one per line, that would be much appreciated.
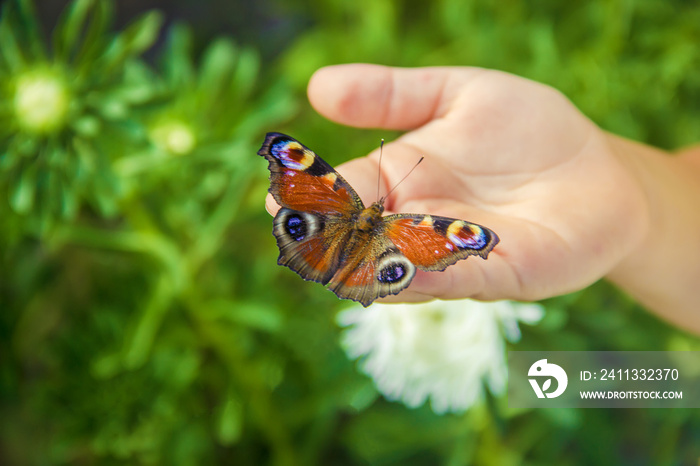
(143, 318)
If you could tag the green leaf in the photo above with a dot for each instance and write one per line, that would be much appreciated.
(217, 65)
(178, 67)
(10, 49)
(363, 395)
(230, 426)
(87, 126)
(69, 199)
(23, 193)
(94, 42)
(29, 25)
(133, 41)
(69, 28)
(246, 73)
(140, 83)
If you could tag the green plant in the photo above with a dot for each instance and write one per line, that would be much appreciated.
(143, 318)
(67, 108)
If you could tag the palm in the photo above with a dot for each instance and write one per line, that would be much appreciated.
(500, 151)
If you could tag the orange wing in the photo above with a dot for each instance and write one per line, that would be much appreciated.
(434, 243)
(309, 244)
(301, 180)
(372, 268)
(361, 266)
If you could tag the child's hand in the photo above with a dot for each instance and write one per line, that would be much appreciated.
(500, 151)
(571, 203)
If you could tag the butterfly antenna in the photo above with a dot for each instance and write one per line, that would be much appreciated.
(379, 172)
(402, 179)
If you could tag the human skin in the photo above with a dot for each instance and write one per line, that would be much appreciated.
(570, 202)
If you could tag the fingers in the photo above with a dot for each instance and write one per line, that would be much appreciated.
(374, 96)
(271, 206)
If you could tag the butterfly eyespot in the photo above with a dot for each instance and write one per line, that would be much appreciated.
(466, 236)
(391, 274)
(292, 154)
(394, 268)
(295, 227)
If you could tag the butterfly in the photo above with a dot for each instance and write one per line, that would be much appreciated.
(326, 234)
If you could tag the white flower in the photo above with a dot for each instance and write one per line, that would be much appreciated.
(442, 350)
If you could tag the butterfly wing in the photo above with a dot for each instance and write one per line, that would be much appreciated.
(303, 181)
(374, 268)
(384, 261)
(310, 244)
(315, 221)
(357, 265)
(434, 243)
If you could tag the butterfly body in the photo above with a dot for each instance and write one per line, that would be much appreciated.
(327, 235)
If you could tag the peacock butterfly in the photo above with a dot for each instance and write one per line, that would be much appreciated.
(326, 234)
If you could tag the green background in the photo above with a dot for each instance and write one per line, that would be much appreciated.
(143, 318)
